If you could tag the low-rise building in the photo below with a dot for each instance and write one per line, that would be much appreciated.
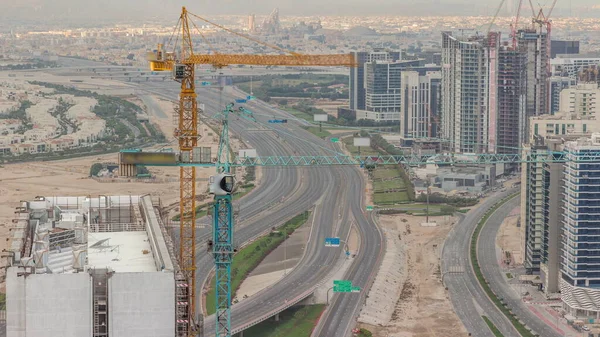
(92, 266)
(583, 99)
(562, 124)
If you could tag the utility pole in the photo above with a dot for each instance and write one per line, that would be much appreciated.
(427, 216)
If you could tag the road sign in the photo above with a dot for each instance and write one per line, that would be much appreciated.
(342, 286)
(320, 117)
(335, 140)
(250, 97)
(332, 242)
(362, 141)
(240, 100)
(278, 121)
(369, 208)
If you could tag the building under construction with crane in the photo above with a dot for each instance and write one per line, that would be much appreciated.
(93, 266)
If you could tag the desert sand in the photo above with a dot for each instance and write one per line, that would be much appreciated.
(423, 308)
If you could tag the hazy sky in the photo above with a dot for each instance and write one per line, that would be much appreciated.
(100, 10)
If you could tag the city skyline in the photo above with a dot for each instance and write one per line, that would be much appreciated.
(118, 10)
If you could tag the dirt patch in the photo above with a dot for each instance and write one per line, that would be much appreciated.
(24, 181)
(423, 308)
(510, 239)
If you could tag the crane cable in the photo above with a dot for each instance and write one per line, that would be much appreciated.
(210, 46)
(283, 50)
(173, 34)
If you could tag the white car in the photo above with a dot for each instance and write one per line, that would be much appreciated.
(585, 328)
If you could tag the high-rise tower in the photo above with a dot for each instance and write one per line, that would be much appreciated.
(465, 93)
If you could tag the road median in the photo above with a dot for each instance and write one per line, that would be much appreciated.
(250, 256)
(522, 329)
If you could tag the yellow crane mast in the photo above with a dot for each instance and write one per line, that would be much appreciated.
(183, 67)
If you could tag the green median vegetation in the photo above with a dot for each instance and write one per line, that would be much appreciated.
(523, 331)
(492, 327)
(298, 321)
(315, 131)
(252, 255)
(391, 185)
(201, 210)
(364, 333)
(246, 187)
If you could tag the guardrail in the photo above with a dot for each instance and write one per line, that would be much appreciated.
(273, 312)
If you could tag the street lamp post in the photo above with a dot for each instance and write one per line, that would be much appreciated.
(285, 252)
(427, 216)
(328, 295)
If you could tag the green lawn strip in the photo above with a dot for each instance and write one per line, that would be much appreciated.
(2, 301)
(299, 114)
(383, 173)
(383, 199)
(245, 86)
(202, 210)
(250, 257)
(388, 184)
(364, 151)
(243, 192)
(297, 321)
(492, 327)
(523, 331)
(315, 131)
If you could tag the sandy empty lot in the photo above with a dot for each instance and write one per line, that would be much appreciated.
(70, 178)
(510, 238)
(423, 308)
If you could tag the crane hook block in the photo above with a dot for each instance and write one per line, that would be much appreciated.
(221, 184)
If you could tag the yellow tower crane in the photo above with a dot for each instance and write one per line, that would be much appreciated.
(182, 61)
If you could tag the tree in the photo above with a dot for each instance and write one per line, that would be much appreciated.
(95, 169)
(365, 333)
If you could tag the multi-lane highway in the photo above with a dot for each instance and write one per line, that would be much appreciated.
(488, 259)
(281, 194)
(468, 298)
(319, 187)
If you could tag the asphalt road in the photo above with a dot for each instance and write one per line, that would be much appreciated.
(468, 298)
(488, 258)
(341, 315)
(152, 106)
(318, 261)
(325, 189)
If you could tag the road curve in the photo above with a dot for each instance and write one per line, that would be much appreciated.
(319, 261)
(488, 259)
(468, 298)
(317, 264)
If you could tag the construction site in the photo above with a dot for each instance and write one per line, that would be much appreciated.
(93, 266)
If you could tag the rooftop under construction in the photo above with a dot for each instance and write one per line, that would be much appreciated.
(105, 261)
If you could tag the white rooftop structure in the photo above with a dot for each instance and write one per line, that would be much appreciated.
(121, 252)
(104, 261)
